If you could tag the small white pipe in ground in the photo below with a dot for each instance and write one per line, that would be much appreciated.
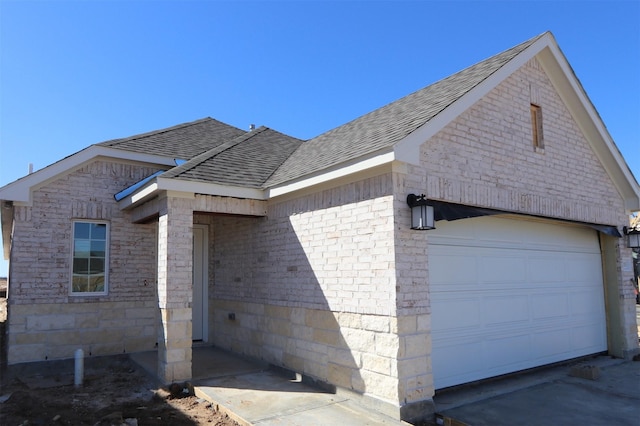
(79, 372)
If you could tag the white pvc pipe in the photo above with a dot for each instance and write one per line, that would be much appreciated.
(79, 372)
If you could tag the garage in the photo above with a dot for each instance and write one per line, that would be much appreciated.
(509, 293)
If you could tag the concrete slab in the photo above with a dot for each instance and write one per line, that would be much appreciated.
(206, 361)
(553, 397)
(252, 393)
(271, 398)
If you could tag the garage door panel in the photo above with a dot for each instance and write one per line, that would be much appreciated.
(506, 309)
(548, 268)
(499, 266)
(514, 294)
(457, 312)
(457, 358)
(582, 338)
(440, 265)
(507, 350)
(548, 343)
(585, 269)
(550, 305)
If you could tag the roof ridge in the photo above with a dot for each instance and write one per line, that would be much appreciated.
(200, 158)
(112, 142)
(285, 158)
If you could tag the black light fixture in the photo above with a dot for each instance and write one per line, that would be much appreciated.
(633, 237)
(422, 217)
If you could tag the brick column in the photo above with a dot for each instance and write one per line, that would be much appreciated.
(175, 258)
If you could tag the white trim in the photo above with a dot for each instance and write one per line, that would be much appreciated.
(106, 257)
(587, 118)
(568, 87)
(20, 190)
(186, 189)
(353, 168)
(205, 285)
(172, 184)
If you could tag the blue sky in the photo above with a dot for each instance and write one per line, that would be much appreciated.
(77, 73)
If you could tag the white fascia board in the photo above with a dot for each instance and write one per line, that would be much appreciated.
(587, 118)
(20, 190)
(408, 149)
(360, 166)
(178, 185)
(184, 188)
(142, 194)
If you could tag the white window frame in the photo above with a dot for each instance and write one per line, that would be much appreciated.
(106, 258)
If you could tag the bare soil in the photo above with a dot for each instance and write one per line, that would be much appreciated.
(114, 392)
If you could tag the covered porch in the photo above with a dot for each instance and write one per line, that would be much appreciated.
(184, 271)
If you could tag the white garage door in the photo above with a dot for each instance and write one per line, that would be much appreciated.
(510, 294)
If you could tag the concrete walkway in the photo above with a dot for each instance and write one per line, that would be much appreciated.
(252, 393)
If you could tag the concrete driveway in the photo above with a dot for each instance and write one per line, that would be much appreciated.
(550, 397)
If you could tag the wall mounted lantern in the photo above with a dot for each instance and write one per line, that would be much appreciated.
(421, 212)
(633, 237)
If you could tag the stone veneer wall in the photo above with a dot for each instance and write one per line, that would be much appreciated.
(312, 287)
(45, 321)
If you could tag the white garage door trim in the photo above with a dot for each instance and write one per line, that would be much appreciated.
(508, 295)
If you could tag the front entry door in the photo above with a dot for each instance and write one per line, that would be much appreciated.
(200, 304)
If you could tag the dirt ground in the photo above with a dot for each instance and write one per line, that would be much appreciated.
(114, 392)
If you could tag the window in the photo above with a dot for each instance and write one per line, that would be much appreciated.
(536, 127)
(90, 258)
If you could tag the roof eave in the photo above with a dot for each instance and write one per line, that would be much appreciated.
(21, 189)
(161, 185)
(569, 88)
(408, 149)
(360, 165)
(590, 123)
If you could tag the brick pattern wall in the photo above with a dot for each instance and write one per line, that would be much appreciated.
(175, 293)
(40, 267)
(331, 250)
(486, 157)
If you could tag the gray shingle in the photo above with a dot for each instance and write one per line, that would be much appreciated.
(384, 127)
(183, 141)
(248, 160)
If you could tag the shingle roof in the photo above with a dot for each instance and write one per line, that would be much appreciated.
(182, 141)
(248, 160)
(382, 128)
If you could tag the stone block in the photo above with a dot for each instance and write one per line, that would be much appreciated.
(345, 357)
(321, 319)
(51, 322)
(293, 362)
(589, 372)
(326, 337)
(387, 345)
(340, 375)
(26, 353)
(360, 340)
(281, 312)
(375, 323)
(406, 325)
(415, 345)
(86, 321)
(29, 338)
